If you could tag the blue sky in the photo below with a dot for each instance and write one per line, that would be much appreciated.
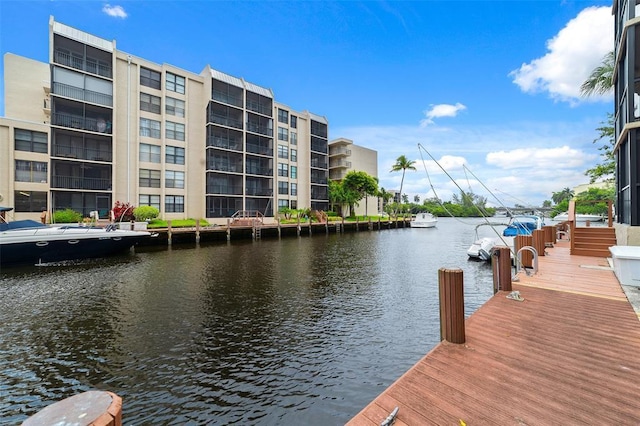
(490, 85)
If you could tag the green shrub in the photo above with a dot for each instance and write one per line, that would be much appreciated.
(66, 216)
(144, 213)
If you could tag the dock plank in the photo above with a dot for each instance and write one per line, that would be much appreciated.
(568, 354)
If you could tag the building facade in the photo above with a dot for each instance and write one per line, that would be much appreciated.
(345, 156)
(96, 125)
(626, 80)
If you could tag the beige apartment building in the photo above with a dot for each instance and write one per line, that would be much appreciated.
(345, 156)
(96, 125)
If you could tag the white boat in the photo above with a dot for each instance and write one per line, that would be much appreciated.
(25, 242)
(482, 247)
(424, 220)
(579, 217)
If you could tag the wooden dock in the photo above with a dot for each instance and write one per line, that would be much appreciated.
(569, 354)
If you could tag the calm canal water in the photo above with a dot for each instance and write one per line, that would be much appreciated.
(294, 331)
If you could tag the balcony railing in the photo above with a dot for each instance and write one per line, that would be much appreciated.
(224, 189)
(80, 122)
(74, 182)
(224, 120)
(340, 151)
(226, 143)
(82, 94)
(31, 176)
(79, 152)
(226, 98)
(260, 171)
(224, 166)
(259, 149)
(257, 128)
(259, 108)
(261, 192)
(87, 64)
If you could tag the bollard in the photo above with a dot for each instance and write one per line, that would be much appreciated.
(451, 305)
(523, 241)
(538, 241)
(99, 408)
(549, 235)
(501, 264)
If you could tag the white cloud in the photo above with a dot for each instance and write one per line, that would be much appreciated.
(441, 110)
(555, 156)
(572, 54)
(115, 11)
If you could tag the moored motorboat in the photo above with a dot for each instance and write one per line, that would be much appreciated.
(25, 242)
(424, 220)
(579, 217)
(482, 247)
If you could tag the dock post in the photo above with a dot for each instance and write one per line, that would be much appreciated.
(357, 223)
(298, 225)
(93, 407)
(549, 235)
(538, 241)
(228, 229)
(197, 231)
(524, 241)
(451, 305)
(279, 229)
(169, 232)
(501, 264)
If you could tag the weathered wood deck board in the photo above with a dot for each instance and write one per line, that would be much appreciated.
(568, 354)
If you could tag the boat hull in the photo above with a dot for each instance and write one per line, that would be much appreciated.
(424, 220)
(29, 247)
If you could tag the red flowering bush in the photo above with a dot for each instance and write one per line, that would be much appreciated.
(122, 212)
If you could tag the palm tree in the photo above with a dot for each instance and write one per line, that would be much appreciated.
(404, 164)
(600, 81)
(565, 194)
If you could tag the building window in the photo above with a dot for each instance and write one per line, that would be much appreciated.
(175, 83)
(174, 204)
(283, 204)
(294, 122)
(294, 172)
(149, 153)
(149, 128)
(27, 140)
(294, 138)
(283, 134)
(283, 188)
(174, 155)
(283, 116)
(294, 204)
(173, 179)
(149, 103)
(174, 131)
(294, 155)
(174, 107)
(294, 189)
(149, 178)
(149, 78)
(31, 171)
(283, 170)
(149, 200)
(283, 151)
(30, 201)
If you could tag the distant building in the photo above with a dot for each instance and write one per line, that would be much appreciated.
(97, 125)
(345, 156)
(626, 78)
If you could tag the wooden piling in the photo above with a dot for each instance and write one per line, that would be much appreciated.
(96, 408)
(538, 241)
(169, 232)
(197, 231)
(450, 282)
(549, 235)
(501, 264)
(523, 241)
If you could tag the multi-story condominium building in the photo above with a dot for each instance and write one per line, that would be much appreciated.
(626, 81)
(345, 156)
(96, 125)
